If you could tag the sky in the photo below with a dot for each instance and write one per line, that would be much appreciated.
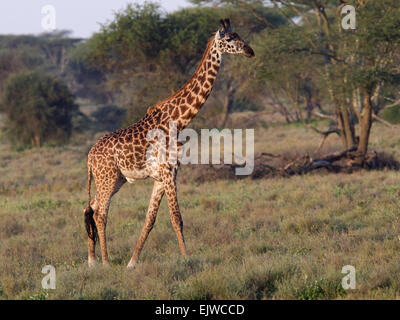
(82, 17)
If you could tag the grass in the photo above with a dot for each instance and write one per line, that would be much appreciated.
(273, 238)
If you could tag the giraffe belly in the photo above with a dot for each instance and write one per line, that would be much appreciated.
(132, 175)
(130, 180)
(140, 174)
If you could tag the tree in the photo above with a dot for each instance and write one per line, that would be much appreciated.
(38, 109)
(56, 46)
(352, 70)
(85, 79)
(17, 56)
(147, 55)
(47, 52)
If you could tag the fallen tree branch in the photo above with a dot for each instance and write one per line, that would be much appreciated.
(322, 164)
(335, 156)
(340, 161)
(305, 163)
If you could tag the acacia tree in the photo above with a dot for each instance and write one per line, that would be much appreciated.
(38, 109)
(147, 55)
(369, 63)
(47, 52)
(18, 54)
(352, 69)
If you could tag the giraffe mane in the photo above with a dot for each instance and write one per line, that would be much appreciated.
(161, 102)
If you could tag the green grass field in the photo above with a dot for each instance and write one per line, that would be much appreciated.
(278, 238)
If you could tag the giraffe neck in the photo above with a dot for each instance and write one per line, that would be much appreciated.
(183, 106)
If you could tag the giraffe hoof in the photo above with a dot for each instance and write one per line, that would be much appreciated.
(131, 265)
(91, 263)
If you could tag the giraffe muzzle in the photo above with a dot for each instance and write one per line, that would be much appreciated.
(248, 51)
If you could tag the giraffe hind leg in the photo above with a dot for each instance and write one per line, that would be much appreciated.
(97, 220)
(92, 234)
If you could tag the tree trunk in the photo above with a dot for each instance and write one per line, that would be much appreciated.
(365, 129)
(37, 140)
(228, 109)
(346, 127)
(228, 104)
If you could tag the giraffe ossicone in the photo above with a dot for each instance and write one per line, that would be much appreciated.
(120, 156)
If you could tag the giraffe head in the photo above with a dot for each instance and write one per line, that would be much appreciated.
(230, 42)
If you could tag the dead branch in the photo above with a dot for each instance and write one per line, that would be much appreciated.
(335, 156)
(305, 163)
(340, 161)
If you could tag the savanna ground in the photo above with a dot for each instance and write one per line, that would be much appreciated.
(276, 238)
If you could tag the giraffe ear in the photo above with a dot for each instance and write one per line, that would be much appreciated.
(227, 25)
(222, 31)
(222, 22)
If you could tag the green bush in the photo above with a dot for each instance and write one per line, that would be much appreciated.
(38, 109)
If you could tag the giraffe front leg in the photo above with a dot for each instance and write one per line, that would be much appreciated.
(169, 181)
(156, 196)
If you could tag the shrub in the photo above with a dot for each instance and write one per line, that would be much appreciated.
(38, 109)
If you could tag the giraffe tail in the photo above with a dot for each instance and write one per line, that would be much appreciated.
(90, 224)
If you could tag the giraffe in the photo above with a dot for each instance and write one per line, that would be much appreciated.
(120, 156)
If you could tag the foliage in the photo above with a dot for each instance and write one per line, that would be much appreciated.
(38, 109)
(306, 65)
(47, 53)
(314, 62)
(392, 114)
(86, 80)
(147, 55)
